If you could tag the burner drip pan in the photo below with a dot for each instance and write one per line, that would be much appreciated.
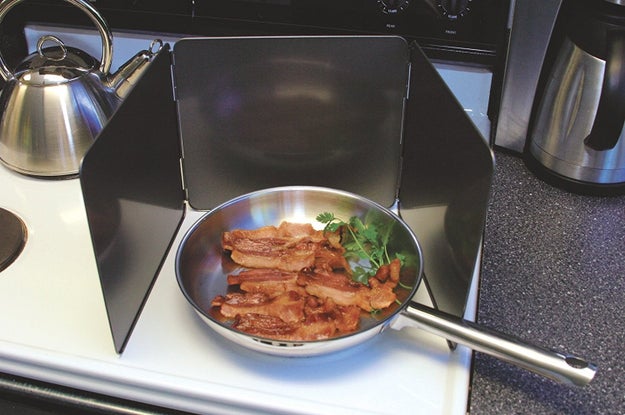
(12, 237)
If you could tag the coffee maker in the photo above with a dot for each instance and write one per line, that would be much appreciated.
(566, 112)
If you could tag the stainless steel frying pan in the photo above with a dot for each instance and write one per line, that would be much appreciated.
(201, 270)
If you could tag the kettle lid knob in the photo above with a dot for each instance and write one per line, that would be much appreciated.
(55, 64)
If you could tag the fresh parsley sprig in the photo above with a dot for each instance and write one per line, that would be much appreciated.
(366, 240)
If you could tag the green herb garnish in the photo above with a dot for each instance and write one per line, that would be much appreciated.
(366, 241)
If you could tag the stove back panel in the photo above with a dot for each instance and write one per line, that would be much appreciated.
(265, 112)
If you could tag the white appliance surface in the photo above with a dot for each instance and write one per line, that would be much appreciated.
(53, 327)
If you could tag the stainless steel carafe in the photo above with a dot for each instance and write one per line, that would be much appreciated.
(577, 139)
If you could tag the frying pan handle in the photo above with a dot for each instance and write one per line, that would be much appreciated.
(559, 367)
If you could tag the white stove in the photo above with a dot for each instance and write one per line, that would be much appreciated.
(54, 327)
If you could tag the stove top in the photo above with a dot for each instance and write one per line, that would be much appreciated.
(53, 327)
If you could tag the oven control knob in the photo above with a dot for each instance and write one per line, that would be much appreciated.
(454, 9)
(393, 6)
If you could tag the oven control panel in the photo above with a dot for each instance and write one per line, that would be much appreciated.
(468, 30)
(462, 26)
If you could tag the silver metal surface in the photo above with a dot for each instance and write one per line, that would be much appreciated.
(532, 24)
(565, 118)
(49, 120)
(57, 102)
(130, 72)
(201, 271)
(45, 131)
(562, 368)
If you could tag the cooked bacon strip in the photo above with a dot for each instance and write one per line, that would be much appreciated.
(391, 270)
(345, 318)
(330, 258)
(298, 284)
(344, 291)
(265, 326)
(289, 247)
(337, 286)
(274, 328)
(381, 295)
(383, 284)
(288, 306)
(318, 325)
(272, 282)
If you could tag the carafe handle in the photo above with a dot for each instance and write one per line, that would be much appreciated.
(608, 124)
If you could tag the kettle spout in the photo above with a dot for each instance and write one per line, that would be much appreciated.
(129, 73)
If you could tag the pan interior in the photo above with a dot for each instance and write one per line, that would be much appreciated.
(202, 266)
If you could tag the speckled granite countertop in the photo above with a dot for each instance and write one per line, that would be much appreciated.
(553, 273)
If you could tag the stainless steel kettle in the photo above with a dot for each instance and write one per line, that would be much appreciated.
(577, 139)
(56, 102)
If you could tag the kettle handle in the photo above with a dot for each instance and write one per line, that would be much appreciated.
(94, 15)
(608, 124)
